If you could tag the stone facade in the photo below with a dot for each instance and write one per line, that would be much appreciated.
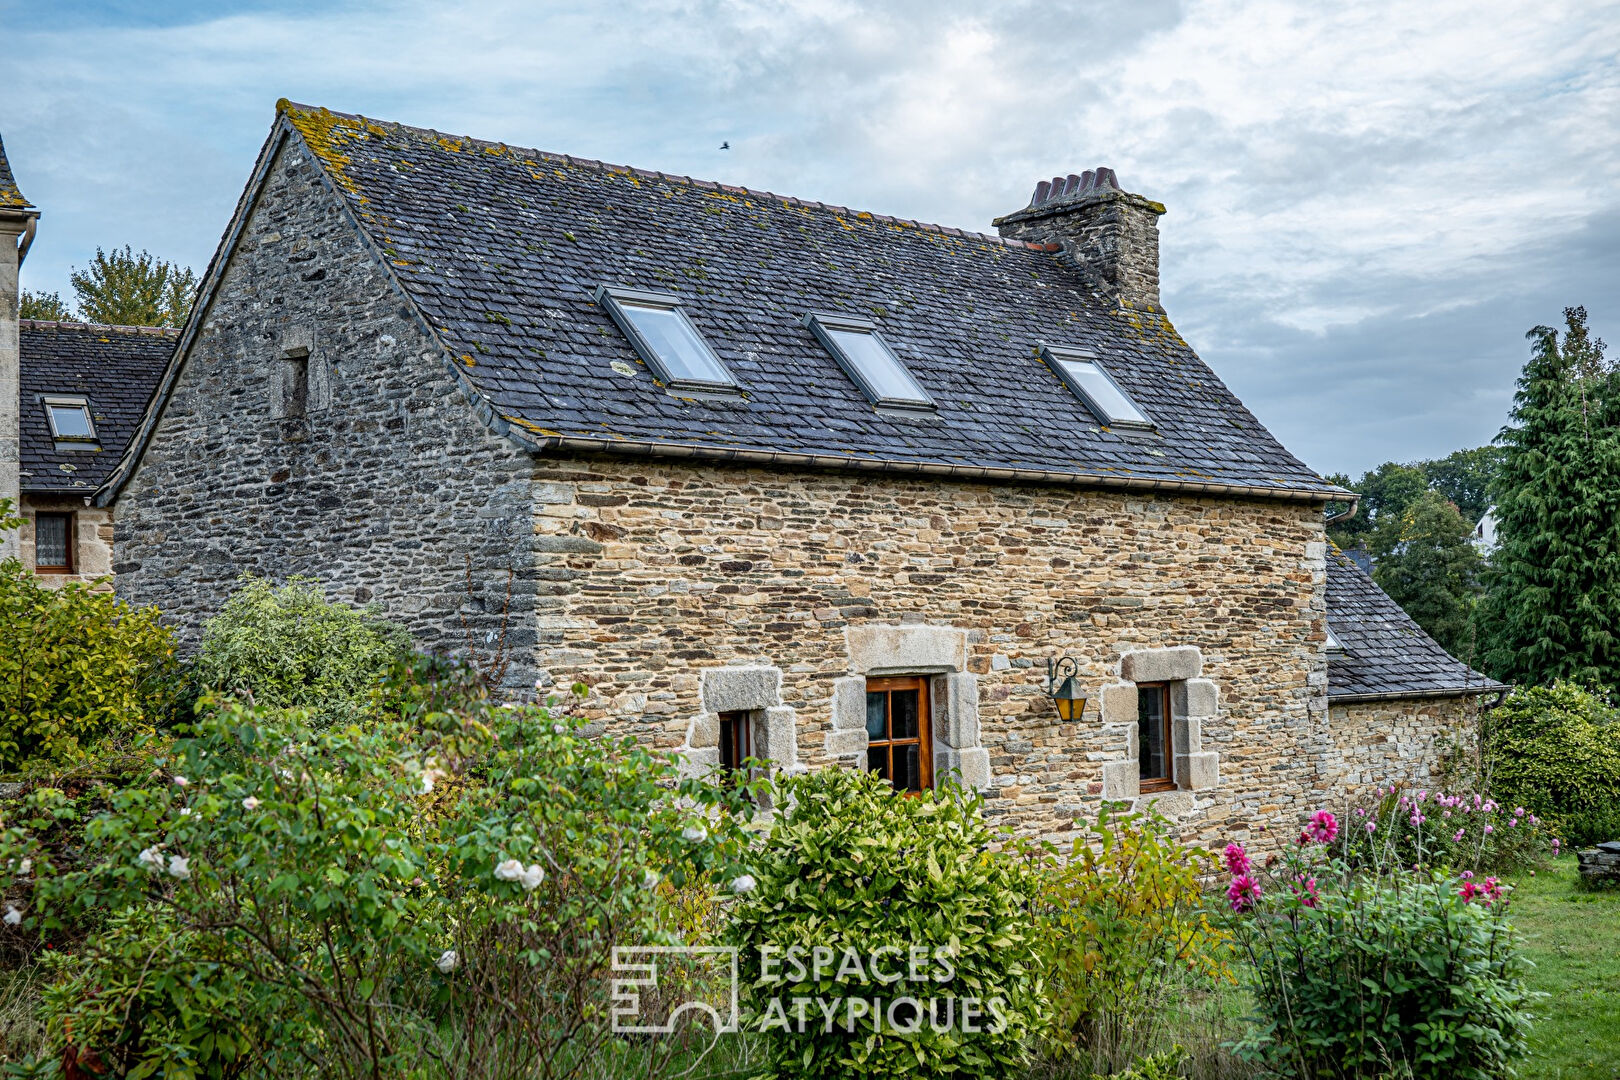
(1404, 740)
(652, 574)
(388, 487)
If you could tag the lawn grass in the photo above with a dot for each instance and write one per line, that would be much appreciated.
(1574, 939)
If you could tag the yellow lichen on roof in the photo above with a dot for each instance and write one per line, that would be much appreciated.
(324, 131)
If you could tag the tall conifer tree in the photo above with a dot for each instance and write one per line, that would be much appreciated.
(1553, 609)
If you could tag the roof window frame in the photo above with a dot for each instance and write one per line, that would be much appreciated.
(51, 402)
(821, 323)
(1334, 645)
(613, 297)
(1052, 355)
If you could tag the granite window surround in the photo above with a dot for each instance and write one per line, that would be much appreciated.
(754, 690)
(1194, 701)
(938, 652)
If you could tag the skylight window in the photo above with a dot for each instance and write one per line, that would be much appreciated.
(1334, 646)
(867, 358)
(667, 341)
(70, 419)
(1086, 376)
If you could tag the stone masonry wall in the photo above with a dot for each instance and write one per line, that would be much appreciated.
(1379, 742)
(654, 572)
(383, 489)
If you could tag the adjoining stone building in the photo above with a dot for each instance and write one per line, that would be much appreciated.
(770, 476)
(71, 395)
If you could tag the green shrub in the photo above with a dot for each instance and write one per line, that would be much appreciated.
(442, 884)
(76, 666)
(1555, 750)
(1367, 974)
(1121, 920)
(145, 998)
(863, 898)
(289, 647)
(1586, 828)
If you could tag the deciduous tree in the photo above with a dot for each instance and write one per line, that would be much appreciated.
(128, 289)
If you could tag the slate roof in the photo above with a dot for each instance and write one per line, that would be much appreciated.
(115, 367)
(1386, 654)
(501, 249)
(10, 197)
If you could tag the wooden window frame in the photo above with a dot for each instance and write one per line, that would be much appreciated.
(70, 542)
(924, 740)
(736, 739)
(1166, 782)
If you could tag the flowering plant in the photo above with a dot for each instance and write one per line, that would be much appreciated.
(382, 912)
(1358, 971)
(1446, 831)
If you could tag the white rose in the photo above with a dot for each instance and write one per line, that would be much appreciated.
(185, 811)
(27, 865)
(509, 870)
(179, 867)
(744, 884)
(695, 834)
(250, 803)
(150, 859)
(13, 916)
(181, 781)
(532, 877)
(448, 961)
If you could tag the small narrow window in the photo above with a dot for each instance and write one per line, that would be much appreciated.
(1153, 735)
(295, 382)
(736, 741)
(53, 543)
(867, 358)
(1085, 376)
(666, 340)
(70, 419)
(898, 745)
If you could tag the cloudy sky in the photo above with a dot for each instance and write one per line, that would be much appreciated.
(1369, 203)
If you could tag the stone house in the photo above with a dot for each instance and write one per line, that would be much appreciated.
(71, 395)
(774, 478)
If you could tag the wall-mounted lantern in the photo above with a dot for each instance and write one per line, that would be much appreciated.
(1064, 691)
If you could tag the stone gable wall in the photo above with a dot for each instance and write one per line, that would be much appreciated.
(651, 573)
(382, 489)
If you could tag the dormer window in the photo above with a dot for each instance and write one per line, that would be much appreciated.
(1084, 374)
(867, 358)
(70, 419)
(667, 342)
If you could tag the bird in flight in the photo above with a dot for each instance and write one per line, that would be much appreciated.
(726, 145)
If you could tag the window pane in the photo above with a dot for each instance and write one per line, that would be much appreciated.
(1102, 391)
(903, 704)
(1150, 732)
(679, 349)
(888, 378)
(910, 772)
(877, 703)
(877, 760)
(71, 421)
(730, 759)
(51, 540)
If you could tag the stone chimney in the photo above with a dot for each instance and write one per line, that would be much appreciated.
(17, 217)
(1112, 235)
